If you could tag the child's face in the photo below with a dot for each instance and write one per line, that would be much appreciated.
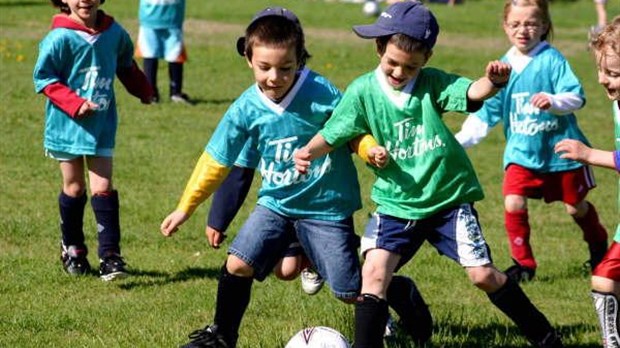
(400, 66)
(609, 72)
(83, 11)
(274, 69)
(524, 28)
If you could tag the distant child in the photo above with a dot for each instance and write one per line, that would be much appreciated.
(426, 191)
(284, 108)
(161, 36)
(600, 6)
(606, 276)
(75, 70)
(225, 204)
(537, 108)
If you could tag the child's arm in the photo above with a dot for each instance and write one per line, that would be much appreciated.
(68, 101)
(557, 104)
(496, 77)
(316, 148)
(370, 151)
(578, 151)
(135, 82)
(207, 176)
(472, 131)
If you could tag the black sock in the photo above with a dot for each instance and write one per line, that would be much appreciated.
(371, 315)
(150, 66)
(415, 318)
(511, 300)
(233, 297)
(106, 209)
(175, 70)
(72, 219)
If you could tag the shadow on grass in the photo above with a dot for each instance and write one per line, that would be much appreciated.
(453, 336)
(145, 278)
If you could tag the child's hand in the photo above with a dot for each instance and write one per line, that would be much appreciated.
(86, 109)
(498, 72)
(572, 149)
(378, 156)
(302, 160)
(215, 237)
(172, 222)
(541, 101)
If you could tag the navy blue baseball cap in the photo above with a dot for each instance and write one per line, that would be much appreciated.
(269, 11)
(408, 17)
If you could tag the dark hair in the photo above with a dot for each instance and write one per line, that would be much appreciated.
(276, 31)
(64, 8)
(403, 42)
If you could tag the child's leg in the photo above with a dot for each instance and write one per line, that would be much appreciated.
(175, 70)
(105, 205)
(605, 293)
(71, 202)
(415, 318)
(150, 66)
(517, 225)
(594, 233)
(288, 267)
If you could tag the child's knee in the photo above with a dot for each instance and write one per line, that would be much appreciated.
(486, 278)
(238, 267)
(578, 210)
(513, 203)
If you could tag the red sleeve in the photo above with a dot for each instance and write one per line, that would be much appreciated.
(135, 82)
(64, 98)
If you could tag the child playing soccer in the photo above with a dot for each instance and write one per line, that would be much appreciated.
(606, 276)
(537, 108)
(266, 125)
(427, 190)
(75, 70)
(161, 36)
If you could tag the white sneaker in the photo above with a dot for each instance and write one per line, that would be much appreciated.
(311, 282)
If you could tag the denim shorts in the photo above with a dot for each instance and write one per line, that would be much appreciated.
(331, 247)
(454, 232)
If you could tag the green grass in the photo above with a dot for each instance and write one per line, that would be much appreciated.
(174, 286)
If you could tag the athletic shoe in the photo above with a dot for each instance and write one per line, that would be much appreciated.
(112, 267)
(311, 281)
(181, 98)
(520, 274)
(74, 260)
(207, 337)
(391, 327)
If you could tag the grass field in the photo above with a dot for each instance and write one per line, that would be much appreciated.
(173, 288)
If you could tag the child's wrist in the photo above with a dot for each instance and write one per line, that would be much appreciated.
(499, 85)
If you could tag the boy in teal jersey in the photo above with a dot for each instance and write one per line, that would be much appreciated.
(262, 129)
(606, 276)
(75, 70)
(427, 190)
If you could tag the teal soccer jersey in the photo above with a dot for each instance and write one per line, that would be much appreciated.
(86, 63)
(428, 170)
(256, 132)
(161, 14)
(530, 132)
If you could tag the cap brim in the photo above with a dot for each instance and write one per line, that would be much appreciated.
(371, 31)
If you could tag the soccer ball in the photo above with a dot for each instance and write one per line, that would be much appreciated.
(318, 337)
(371, 8)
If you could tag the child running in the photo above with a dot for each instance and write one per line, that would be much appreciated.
(75, 70)
(266, 125)
(537, 108)
(427, 190)
(606, 276)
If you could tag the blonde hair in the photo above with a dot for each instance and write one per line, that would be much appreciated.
(543, 13)
(608, 38)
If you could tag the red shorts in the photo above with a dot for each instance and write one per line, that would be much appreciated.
(570, 186)
(610, 266)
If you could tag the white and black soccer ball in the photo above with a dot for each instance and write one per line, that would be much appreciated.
(318, 337)
(371, 8)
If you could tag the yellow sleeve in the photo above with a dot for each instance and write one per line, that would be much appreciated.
(361, 144)
(206, 178)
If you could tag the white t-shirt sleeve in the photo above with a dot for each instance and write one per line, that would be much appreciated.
(472, 131)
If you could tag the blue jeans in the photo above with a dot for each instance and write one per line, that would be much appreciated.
(331, 247)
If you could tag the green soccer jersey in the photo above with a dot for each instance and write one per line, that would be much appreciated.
(428, 171)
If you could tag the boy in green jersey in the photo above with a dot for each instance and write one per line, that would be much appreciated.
(427, 190)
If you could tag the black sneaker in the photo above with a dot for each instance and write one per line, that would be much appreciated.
(207, 337)
(112, 267)
(181, 98)
(74, 260)
(520, 274)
